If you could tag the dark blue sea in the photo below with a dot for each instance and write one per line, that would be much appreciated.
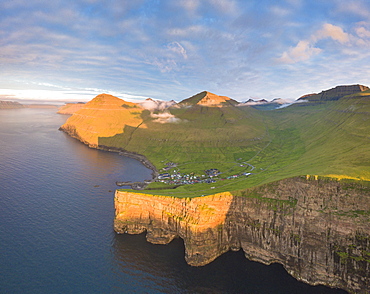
(56, 224)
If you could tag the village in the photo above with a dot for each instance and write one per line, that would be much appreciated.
(211, 176)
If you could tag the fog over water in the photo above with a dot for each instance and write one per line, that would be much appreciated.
(56, 224)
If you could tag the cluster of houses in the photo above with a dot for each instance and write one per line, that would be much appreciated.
(183, 179)
(211, 176)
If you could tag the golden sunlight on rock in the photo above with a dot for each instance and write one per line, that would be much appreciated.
(306, 224)
(70, 108)
(103, 116)
(195, 220)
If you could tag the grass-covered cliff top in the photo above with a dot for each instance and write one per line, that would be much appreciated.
(246, 146)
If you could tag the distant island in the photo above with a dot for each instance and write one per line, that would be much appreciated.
(287, 184)
(17, 105)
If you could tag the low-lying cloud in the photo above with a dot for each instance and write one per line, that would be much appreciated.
(165, 117)
(156, 105)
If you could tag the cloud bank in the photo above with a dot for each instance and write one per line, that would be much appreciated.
(174, 49)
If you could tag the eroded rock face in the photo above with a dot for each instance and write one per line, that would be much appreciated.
(318, 229)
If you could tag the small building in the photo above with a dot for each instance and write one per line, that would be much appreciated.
(164, 176)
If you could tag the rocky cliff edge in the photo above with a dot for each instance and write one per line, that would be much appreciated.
(319, 229)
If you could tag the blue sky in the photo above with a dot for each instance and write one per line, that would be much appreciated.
(75, 50)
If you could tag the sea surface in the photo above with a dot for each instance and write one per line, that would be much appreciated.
(56, 224)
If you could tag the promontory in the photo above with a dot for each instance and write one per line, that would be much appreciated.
(287, 184)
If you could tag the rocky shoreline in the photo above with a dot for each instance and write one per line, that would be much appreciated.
(120, 151)
(145, 161)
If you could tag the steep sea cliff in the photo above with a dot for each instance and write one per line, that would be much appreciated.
(317, 228)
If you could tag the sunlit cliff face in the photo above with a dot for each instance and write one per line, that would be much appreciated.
(168, 217)
(308, 225)
(200, 214)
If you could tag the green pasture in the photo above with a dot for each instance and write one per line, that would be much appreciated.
(326, 138)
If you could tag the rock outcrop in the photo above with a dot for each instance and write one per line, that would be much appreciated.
(318, 229)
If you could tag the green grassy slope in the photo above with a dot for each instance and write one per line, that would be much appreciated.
(326, 139)
(203, 138)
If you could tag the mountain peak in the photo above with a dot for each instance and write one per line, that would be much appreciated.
(108, 101)
(206, 98)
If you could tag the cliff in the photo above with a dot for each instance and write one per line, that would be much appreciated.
(318, 229)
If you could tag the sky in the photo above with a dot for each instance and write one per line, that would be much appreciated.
(65, 50)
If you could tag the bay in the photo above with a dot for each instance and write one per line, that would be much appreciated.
(56, 224)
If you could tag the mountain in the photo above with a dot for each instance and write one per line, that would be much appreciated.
(326, 139)
(279, 101)
(10, 105)
(263, 104)
(208, 99)
(105, 115)
(335, 93)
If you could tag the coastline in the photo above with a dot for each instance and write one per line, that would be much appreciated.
(145, 161)
(268, 226)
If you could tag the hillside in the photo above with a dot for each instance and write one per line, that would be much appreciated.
(202, 150)
(103, 116)
(196, 137)
(70, 108)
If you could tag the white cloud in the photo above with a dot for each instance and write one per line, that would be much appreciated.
(306, 49)
(225, 6)
(331, 31)
(177, 48)
(165, 117)
(355, 7)
(188, 31)
(303, 51)
(362, 32)
(189, 5)
(63, 95)
(280, 11)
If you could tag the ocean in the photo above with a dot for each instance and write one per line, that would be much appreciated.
(56, 224)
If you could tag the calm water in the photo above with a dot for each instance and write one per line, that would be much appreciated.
(56, 224)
